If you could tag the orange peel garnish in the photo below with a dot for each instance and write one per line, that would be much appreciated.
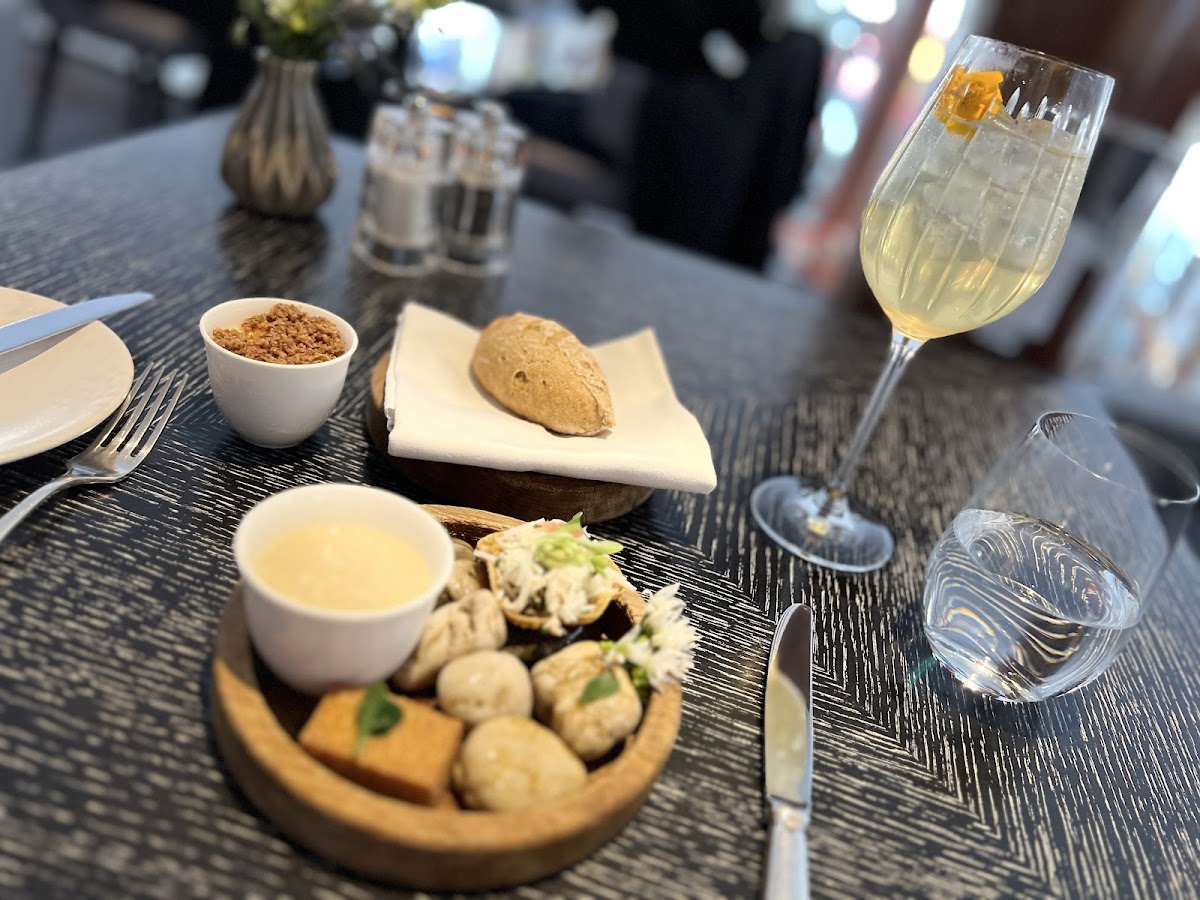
(967, 97)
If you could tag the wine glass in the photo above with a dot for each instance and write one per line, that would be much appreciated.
(964, 224)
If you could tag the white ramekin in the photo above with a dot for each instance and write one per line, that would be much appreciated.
(272, 404)
(314, 650)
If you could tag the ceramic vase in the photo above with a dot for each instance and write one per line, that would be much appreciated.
(278, 159)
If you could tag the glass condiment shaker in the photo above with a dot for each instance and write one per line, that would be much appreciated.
(486, 170)
(403, 192)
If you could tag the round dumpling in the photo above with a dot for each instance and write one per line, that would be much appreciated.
(464, 579)
(590, 729)
(483, 685)
(511, 763)
(454, 630)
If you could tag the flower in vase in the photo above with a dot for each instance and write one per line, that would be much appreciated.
(308, 29)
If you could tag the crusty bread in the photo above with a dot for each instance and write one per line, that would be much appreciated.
(540, 371)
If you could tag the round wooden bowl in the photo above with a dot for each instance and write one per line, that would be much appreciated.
(525, 495)
(256, 719)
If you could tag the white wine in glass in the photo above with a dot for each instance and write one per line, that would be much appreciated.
(963, 226)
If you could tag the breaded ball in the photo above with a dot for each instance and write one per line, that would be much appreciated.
(483, 685)
(590, 729)
(454, 630)
(512, 763)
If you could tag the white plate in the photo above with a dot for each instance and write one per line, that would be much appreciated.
(61, 393)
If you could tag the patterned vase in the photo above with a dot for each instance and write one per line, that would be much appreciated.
(278, 160)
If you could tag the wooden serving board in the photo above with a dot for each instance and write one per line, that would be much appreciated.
(525, 495)
(256, 719)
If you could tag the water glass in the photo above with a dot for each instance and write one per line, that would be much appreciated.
(1040, 580)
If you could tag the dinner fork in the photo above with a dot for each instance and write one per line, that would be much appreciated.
(122, 445)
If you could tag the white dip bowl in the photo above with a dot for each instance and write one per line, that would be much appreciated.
(272, 404)
(312, 649)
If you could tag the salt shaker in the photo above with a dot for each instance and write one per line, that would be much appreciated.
(485, 175)
(403, 192)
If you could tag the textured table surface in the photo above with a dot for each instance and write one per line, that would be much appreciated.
(109, 781)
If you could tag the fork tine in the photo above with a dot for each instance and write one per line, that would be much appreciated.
(164, 388)
(144, 420)
(115, 420)
(136, 415)
(149, 443)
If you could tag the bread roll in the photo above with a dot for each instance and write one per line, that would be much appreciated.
(540, 371)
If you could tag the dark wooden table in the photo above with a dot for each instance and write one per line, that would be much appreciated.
(109, 781)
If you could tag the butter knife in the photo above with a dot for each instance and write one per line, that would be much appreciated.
(787, 754)
(21, 334)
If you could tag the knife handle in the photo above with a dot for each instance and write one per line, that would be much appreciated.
(787, 855)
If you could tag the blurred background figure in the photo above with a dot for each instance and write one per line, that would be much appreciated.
(699, 128)
(748, 130)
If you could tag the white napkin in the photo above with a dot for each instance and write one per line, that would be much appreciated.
(436, 411)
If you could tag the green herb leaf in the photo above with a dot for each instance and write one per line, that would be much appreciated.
(603, 685)
(377, 715)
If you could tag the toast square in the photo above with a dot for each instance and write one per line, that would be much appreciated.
(411, 762)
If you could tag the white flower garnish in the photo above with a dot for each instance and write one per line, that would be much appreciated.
(658, 650)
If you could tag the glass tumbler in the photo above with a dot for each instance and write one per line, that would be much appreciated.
(1042, 577)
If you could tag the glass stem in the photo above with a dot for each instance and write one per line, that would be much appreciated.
(900, 354)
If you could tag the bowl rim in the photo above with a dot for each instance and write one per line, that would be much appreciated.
(254, 743)
(441, 574)
(344, 328)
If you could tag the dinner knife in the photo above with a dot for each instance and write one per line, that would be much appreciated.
(787, 753)
(28, 331)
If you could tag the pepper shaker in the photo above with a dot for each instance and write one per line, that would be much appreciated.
(403, 192)
(485, 172)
